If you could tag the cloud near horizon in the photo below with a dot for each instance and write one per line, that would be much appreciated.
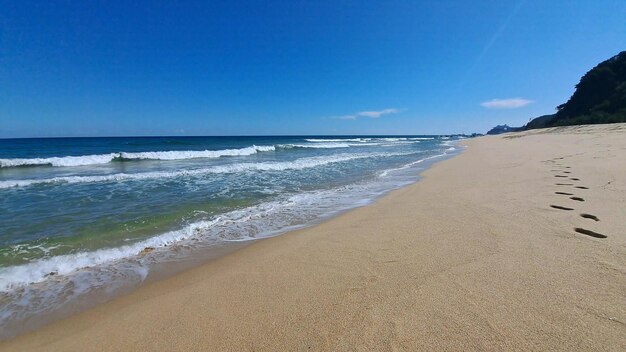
(511, 103)
(370, 114)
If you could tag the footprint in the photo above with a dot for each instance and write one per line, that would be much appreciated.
(589, 233)
(560, 207)
(565, 184)
(564, 193)
(574, 179)
(582, 187)
(560, 176)
(577, 199)
(566, 172)
(589, 216)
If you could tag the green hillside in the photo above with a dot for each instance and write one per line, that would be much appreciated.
(600, 97)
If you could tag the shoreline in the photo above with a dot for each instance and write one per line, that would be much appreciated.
(158, 271)
(470, 256)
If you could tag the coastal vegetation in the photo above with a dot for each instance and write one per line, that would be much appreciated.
(600, 97)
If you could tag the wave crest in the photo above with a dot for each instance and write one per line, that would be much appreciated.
(85, 160)
(298, 164)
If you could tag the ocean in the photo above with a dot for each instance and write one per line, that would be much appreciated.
(84, 219)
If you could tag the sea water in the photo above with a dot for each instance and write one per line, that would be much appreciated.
(80, 216)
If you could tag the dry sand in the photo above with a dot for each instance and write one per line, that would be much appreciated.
(472, 257)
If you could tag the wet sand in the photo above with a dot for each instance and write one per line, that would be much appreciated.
(519, 243)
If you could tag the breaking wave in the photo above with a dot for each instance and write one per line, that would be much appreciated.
(298, 164)
(85, 160)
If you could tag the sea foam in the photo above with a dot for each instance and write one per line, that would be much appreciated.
(85, 160)
(323, 140)
(298, 164)
(329, 145)
(37, 271)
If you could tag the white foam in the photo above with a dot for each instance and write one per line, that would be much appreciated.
(298, 164)
(413, 163)
(192, 154)
(366, 140)
(405, 139)
(60, 161)
(243, 224)
(317, 145)
(316, 140)
(393, 139)
(238, 223)
(37, 271)
(85, 160)
(31, 291)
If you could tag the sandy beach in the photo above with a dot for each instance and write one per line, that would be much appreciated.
(481, 254)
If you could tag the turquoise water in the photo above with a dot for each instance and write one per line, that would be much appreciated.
(80, 214)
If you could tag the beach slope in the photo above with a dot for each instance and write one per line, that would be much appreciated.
(519, 243)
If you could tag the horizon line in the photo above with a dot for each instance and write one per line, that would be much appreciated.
(264, 135)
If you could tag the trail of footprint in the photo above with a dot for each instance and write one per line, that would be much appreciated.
(589, 233)
(579, 199)
(589, 216)
(560, 207)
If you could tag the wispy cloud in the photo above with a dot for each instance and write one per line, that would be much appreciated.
(492, 40)
(511, 103)
(370, 114)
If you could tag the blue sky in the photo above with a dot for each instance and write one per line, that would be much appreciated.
(108, 68)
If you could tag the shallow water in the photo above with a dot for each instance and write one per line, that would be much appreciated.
(81, 216)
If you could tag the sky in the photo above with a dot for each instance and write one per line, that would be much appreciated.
(133, 68)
